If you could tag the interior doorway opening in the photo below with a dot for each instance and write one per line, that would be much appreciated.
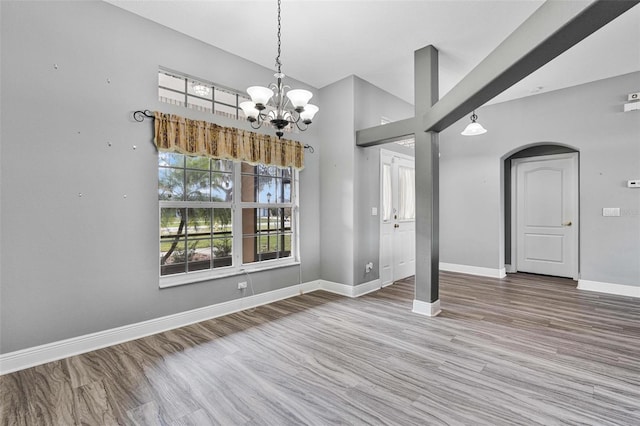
(397, 216)
(541, 231)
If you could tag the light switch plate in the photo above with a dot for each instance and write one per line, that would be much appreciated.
(374, 211)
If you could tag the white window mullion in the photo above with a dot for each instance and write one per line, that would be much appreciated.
(295, 217)
(237, 215)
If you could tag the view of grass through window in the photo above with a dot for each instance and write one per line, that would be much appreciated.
(211, 210)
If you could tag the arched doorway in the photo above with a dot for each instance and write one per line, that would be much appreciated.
(541, 217)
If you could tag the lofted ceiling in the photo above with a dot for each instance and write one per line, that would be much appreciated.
(324, 41)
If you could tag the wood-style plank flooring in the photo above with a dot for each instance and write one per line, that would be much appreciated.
(524, 350)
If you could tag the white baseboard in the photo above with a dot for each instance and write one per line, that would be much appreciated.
(349, 290)
(510, 269)
(609, 288)
(425, 308)
(37, 355)
(473, 270)
(30, 357)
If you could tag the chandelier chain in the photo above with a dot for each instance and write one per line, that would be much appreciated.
(278, 63)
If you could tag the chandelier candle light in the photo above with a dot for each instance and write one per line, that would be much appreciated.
(473, 128)
(284, 111)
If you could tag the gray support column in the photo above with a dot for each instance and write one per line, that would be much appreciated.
(427, 151)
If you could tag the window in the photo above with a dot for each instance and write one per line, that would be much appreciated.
(218, 216)
(194, 93)
(406, 195)
(266, 213)
(386, 193)
(177, 89)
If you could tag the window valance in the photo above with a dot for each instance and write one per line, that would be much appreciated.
(174, 133)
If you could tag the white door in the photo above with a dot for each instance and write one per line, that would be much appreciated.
(547, 215)
(397, 226)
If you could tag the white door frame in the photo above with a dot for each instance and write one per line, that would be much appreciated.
(514, 214)
(386, 154)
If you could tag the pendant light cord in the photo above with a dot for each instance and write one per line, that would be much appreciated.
(278, 63)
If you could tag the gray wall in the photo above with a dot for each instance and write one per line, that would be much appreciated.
(588, 118)
(74, 265)
(337, 182)
(371, 104)
(350, 178)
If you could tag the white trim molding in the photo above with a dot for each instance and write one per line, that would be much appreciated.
(425, 308)
(350, 290)
(609, 288)
(473, 270)
(30, 357)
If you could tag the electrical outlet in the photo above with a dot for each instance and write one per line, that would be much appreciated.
(242, 285)
(368, 267)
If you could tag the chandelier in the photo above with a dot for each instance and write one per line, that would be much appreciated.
(270, 103)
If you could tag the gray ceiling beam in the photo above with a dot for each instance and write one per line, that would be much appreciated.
(551, 30)
(391, 132)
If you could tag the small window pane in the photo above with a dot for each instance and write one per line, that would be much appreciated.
(170, 159)
(406, 196)
(170, 97)
(199, 89)
(172, 222)
(386, 192)
(199, 104)
(268, 219)
(285, 245)
(222, 222)
(226, 111)
(199, 163)
(199, 255)
(171, 82)
(285, 216)
(221, 187)
(199, 223)
(222, 252)
(267, 190)
(285, 190)
(197, 186)
(225, 97)
(267, 170)
(222, 165)
(173, 256)
(170, 184)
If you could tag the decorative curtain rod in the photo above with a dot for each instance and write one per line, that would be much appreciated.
(140, 116)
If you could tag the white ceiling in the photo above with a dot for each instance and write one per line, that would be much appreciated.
(324, 41)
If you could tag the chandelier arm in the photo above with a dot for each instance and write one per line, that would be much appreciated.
(301, 128)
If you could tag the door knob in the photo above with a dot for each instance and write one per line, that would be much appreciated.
(396, 226)
(567, 224)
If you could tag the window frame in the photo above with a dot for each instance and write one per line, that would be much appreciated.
(237, 205)
(185, 94)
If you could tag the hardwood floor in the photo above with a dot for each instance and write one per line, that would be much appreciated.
(523, 350)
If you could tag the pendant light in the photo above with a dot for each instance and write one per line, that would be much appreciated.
(270, 103)
(474, 128)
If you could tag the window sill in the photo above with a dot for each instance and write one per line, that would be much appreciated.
(197, 277)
